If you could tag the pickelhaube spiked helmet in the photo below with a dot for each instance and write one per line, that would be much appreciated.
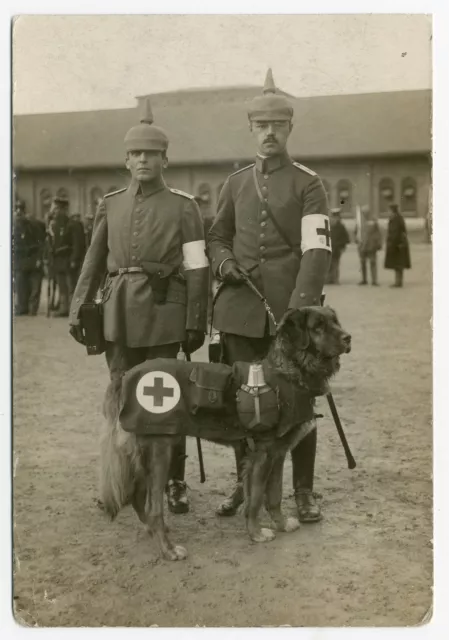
(146, 136)
(271, 105)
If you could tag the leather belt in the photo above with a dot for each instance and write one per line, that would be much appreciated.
(123, 270)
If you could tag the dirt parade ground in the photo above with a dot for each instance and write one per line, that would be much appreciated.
(367, 563)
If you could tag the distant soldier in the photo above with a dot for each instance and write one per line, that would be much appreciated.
(88, 228)
(25, 258)
(397, 255)
(148, 240)
(60, 240)
(78, 251)
(37, 273)
(339, 238)
(369, 242)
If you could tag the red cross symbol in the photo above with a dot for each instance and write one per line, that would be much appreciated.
(325, 232)
(159, 392)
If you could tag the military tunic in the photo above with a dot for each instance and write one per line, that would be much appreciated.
(160, 231)
(243, 231)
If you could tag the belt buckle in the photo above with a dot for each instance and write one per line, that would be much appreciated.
(122, 270)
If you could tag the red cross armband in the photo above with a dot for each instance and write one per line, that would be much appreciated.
(315, 232)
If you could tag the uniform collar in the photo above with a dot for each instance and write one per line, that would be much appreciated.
(147, 188)
(268, 165)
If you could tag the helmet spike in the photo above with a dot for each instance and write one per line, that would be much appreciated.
(269, 86)
(147, 114)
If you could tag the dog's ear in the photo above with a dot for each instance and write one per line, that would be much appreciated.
(293, 328)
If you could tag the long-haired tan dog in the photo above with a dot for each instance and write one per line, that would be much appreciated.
(134, 469)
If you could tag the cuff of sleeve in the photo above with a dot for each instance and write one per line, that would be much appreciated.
(220, 267)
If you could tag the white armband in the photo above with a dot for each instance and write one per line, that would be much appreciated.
(315, 232)
(194, 255)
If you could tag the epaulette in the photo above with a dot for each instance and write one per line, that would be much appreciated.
(303, 168)
(182, 193)
(244, 169)
(113, 193)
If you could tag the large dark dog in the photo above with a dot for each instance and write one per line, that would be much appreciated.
(134, 468)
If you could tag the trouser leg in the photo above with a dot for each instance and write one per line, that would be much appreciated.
(21, 286)
(303, 460)
(399, 277)
(63, 287)
(363, 268)
(373, 268)
(35, 292)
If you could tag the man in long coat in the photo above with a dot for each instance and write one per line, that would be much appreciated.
(148, 240)
(397, 255)
(339, 238)
(272, 222)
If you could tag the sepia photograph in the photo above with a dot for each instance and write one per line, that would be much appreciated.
(221, 280)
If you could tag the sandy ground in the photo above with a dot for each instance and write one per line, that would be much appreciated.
(369, 562)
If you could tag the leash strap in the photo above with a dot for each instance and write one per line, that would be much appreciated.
(262, 298)
(278, 227)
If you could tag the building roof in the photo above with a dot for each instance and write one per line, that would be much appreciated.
(339, 126)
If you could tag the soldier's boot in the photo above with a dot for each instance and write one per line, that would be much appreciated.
(303, 459)
(363, 271)
(176, 489)
(398, 278)
(373, 268)
(230, 505)
(63, 311)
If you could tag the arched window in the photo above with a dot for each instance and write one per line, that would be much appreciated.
(327, 189)
(96, 195)
(344, 194)
(386, 194)
(45, 199)
(409, 195)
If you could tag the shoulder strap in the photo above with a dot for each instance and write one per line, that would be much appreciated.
(278, 227)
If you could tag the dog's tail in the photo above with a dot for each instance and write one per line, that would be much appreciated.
(118, 455)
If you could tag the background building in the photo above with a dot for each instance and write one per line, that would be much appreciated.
(368, 148)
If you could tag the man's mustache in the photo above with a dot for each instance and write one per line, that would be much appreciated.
(272, 139)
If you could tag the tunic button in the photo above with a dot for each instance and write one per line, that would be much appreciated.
(262, 248)
(135, 233)
(133, 257)
(263, 224)
(264, 188)
(135, 245)
(302, 295)
(262, 260)
(262, 235)
(265, 177)
(263, 214)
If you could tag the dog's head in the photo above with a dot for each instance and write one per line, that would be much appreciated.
(315, 329)
(311, 340)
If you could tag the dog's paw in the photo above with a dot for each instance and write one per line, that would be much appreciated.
(263, 535)
(291, 524)
(176, 553)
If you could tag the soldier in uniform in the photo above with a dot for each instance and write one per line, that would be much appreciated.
(339, 240)
(149, 240)
(88, 228)
(272, 223)
(78, 246)
(26, 252)
(38, 266)
(63, 251)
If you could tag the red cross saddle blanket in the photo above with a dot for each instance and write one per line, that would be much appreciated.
(208, 400)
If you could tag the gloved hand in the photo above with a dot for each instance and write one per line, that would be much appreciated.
(77, 333)
(194, 340)
(232, 273)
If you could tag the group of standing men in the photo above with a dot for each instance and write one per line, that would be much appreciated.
(149, 252)
(54, 249)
